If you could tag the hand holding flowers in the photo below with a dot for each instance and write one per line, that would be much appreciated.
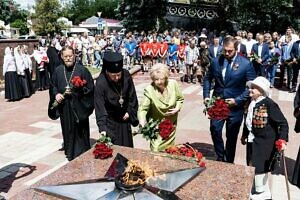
(103, 148)
(77, 83)
(217, 108)
(153, 128)
(280, 147)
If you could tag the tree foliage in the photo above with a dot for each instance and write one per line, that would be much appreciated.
(9, 11)
(21, 25)
(45, 17)
(80, 10)
(259, 15)
(142, 15)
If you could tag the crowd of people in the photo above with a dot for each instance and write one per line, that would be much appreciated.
(239, 69)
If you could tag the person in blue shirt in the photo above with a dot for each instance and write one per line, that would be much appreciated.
(130, 51)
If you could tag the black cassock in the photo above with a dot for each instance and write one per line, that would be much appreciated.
(109, 111)
(75, 109)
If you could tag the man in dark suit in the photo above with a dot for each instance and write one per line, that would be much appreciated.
(54, 60)
(230, 72)
(215, 49)
(261, 49)
(295, 55)
(241, 48)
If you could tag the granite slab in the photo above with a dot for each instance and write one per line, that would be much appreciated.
(218, 181)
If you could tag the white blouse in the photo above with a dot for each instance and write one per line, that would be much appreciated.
(9, 64)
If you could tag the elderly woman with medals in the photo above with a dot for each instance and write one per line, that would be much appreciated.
(72, 100)
(265, 133)
(162, 100)
(116, 102)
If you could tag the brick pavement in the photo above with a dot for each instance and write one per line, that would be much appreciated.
(30, 141)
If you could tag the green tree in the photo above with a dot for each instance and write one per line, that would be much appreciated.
(45, 17)
(80, 10)
(142, 15)
(259, 15)
(7, 10)
(21, 25)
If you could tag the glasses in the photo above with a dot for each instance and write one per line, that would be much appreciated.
(228, 51)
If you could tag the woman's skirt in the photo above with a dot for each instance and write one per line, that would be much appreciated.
(29, 81)
(12, 86)
(24, 86)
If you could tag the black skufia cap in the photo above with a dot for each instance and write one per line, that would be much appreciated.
(112, 62)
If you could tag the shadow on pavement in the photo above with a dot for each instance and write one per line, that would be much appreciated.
(290, 164)
(15, 171)
(206, 149)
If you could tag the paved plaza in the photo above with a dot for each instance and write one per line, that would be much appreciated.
(29, 140)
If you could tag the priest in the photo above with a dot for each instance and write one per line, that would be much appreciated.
(116, 102)
(72, 100)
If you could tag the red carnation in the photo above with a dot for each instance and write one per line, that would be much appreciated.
(78, 82)
(280, 144)
(188, 151)
(166, 127)
(102, 151)
(202, 164)
(217, 109)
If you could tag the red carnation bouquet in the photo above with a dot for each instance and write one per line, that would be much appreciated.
(77, 82)
(102, 148)
(274, 59)
(155, 127)
(253, 56)
(280, 147)
(216, 109)
(188, 151)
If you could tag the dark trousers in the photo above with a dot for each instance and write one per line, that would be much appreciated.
(295, 75)
(232, 127)
(289, 72)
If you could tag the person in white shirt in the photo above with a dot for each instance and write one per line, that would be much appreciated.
(28, 68)
(288, 32)
(192, 54)
(21, 71)
(12, 86)
(249, 43)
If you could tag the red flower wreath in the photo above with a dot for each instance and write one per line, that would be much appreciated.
(188, 151)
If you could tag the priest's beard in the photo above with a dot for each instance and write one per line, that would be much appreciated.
(69, 63)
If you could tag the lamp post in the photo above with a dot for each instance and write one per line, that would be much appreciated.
(99, 24)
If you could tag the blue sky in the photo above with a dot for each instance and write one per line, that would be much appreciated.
(24, 3)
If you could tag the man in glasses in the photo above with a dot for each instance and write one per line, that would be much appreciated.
(229, 72)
